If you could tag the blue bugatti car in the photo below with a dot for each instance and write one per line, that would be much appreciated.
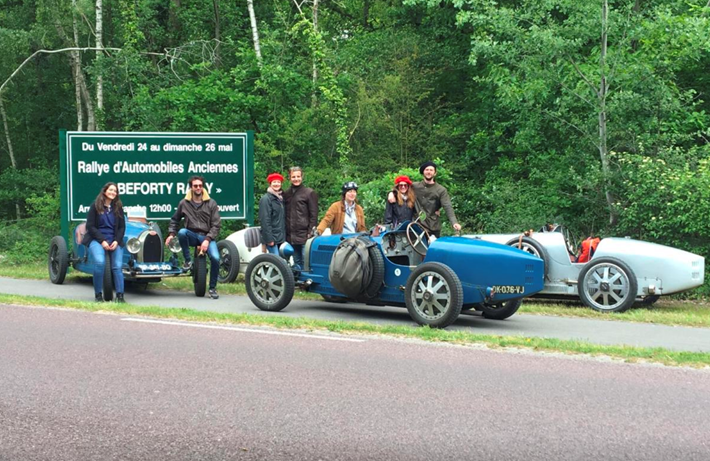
(435, 280)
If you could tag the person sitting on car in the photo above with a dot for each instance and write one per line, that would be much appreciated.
(404, 208)
(105, 228)
(344, 216)
(202, 224)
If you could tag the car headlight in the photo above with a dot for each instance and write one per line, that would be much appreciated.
(174, 245)
(133, 245)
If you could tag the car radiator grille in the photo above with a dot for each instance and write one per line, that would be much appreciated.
(152, 249)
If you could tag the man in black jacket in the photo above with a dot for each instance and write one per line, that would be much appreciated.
(301, 213)
(202, 223)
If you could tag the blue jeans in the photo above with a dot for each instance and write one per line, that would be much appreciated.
(273, 249)
(98, 255)
(298, 255)
(188, 239)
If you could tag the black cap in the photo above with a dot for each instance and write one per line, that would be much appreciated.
(426, 164)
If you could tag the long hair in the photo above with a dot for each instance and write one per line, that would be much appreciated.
(411, 198)
(116, 204)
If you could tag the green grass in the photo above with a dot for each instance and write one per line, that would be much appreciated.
(664, 312)
(624, 353)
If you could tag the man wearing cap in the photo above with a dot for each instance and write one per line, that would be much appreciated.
(431, 197)
(301, 213)
(272, 215)
(202, 224)
(344, 216)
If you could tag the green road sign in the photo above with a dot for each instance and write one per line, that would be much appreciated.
(152, 169)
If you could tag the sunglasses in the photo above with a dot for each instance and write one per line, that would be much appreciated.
(403, 185)
(197, 186)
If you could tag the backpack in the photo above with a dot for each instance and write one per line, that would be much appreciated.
(350, 270)
(589, 246)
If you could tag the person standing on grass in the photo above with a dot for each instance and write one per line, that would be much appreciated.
(301, 205)
(272, 215)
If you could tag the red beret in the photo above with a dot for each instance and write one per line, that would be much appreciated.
(274, 177)
(400, 179)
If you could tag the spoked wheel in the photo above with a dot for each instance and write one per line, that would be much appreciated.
(502, 310)
(607, 285)
(199, 275)
(107, 284)
(270, 282)
(228, 261)
(418, 240)
(434, 295)
(533, 247)
(57, 260)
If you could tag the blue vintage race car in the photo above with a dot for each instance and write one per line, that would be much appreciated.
(143, 258)
(435, 282)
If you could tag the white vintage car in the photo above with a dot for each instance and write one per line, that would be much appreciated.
(621, 272)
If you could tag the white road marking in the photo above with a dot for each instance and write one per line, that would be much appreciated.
(246, 330)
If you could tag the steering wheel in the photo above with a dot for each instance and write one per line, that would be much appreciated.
(417, 239)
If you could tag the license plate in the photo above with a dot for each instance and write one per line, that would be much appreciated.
(154, 267)
(509, 289)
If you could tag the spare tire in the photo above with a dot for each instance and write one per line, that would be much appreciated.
(357, 268)
(533, 247)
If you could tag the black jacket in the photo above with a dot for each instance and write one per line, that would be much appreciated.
(301, 213)
(273, 219)
(396, 214)
(92, 227)
(204, 220)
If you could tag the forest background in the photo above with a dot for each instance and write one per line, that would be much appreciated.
(593, 114)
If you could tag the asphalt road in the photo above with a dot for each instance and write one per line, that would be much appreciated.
(595, 331)
(83, 386)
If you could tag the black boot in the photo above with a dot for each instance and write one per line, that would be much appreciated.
(99, 297)
(119, 298)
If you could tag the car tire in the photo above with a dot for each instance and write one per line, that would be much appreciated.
(437, 309)
(378, 272)
(107, 283)
(533, 247)
(333, 299)
(607, 285)
(270, 283)
(199, 275)
(501, 311)
(228, 261)
(57, 260)
(647, 301)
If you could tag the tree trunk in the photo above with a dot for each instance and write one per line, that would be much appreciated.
(315, 64)
(75, 56)
(603, 90)
(99, 56)
(13, 162)
(217, 33)
(254, 31)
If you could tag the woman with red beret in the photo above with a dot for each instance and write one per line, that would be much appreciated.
(404, 207)
(272, 215)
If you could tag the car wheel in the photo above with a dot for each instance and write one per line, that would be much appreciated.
(107, 284)
(533, 247)
(434, 295)
(502, 310)
(228, 261)
(199, 275)
(57, 260)
(270, 283)
(607, 285)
